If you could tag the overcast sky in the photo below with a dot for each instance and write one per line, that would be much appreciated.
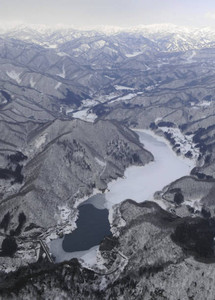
(109, 12)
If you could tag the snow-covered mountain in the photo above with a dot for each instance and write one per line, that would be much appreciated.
(166, 37)
(67, 100)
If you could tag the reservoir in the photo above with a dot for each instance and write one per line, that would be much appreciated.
(92, 227)
(140, 184)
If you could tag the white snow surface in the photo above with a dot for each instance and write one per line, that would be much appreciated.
(85, 115)
(58, 85)
(14, 75)
(100, 162)
(99, 44)
(63, 73)
(123, 98)
(133, 54)
(122, 87)
(32, 82)
(62, 54)
(52, 46)
(205, 103)
(88, 257)
(40, 141)
(140, 183)
(87, 103)
(196, 204)
(69, 110)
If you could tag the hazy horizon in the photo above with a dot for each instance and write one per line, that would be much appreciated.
(122, 13)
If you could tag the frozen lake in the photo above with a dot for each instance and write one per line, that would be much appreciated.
(92, 226)
(139, 184)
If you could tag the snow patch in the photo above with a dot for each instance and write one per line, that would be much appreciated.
(8, 269)
(58, 85)
(100, 162)
(88, 103)
(158, 120)
(150, 87)
(134, 54)
(69, 110)
(122, 87)
(62, 54)
(99, 44)
(126, 97)
(85, 115)
(82, 48)
(15, 76)
(112, 78)
(205, 103)
(63, 74)
(105, 98)
(32, 83)
(52, 46)
(196, 204)
(40, 141)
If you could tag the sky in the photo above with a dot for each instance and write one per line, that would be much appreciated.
(124, 13)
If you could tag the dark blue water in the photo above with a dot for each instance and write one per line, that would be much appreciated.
(92, 227)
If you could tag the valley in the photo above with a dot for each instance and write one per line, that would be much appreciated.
(120, 120)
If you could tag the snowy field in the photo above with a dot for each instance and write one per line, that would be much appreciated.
(84, 115)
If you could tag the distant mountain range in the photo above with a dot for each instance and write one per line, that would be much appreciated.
(165, 37)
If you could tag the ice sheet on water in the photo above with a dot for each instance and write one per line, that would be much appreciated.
(140, 183)
(88, 256)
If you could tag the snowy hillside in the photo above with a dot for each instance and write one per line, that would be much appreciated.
(167, 37)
